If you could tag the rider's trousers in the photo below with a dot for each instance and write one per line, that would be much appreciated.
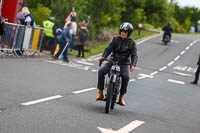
(124, 73)
(197, 74)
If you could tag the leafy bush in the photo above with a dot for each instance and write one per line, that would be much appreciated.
(40, 14)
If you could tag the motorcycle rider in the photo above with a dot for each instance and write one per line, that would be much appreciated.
(124, 50)
(167, 31)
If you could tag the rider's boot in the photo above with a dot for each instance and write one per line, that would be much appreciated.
(100, 95)
(121, 100)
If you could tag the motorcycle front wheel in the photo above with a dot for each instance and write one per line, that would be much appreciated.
(108, 98)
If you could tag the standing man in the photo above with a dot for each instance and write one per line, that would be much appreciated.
(197, 73)
(64, 40)
(73, 30)
(49, 29)
(122, 49)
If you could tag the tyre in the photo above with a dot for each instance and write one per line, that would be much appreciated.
(114, 98)
(108, 98)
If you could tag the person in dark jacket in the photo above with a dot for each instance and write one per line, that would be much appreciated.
(167, 31)
(83, 36)
(197, 73)
(28, 17)
(64, 40)
(123, 50)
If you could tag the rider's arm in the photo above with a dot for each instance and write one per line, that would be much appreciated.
(109, 49)
(134, 56)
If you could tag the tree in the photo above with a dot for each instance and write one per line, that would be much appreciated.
(134, 12)
(40, 14)
(156, 12)
(105, 13)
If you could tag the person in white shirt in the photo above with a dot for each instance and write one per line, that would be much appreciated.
(73, 31)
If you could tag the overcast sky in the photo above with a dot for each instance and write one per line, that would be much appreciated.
(195, 3)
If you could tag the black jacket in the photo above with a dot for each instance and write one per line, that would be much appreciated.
(167, 29)
(124, 51)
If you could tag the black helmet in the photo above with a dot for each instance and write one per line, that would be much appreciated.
(126, 26)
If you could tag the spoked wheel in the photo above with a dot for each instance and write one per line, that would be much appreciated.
(108, 98)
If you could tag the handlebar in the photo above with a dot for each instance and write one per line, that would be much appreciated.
(111, 60)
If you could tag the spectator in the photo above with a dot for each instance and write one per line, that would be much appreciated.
(1, 29)
(64, 40)
(83, 36)
(50, 34)
(28, 17)
(20, 18)
(197, 73)
(72, 31)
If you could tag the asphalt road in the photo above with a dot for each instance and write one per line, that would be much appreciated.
(43, 96)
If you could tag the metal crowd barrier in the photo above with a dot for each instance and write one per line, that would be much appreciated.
(19, 40)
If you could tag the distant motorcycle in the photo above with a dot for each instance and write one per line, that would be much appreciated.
(166, 39)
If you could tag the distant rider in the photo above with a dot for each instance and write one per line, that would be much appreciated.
(124, 50)
(167, 31)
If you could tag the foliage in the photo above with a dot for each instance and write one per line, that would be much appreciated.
(42, 12)
(111, 13)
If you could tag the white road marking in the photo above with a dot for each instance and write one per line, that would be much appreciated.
(138, 68)
(180, 68)
(187, 48)
(174, 41)
(169, 64)
(84, 62)
(94, 70)
(84, 90)
(192, 44)
(176, 81)
(42, 100)
(183, 52)
(177, 58)
(131, 80)
(126, 129)
(190, 69)
(154, 73)
(142, 76)
(182, 74)
(163, 68)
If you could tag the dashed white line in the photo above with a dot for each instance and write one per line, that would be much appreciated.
(176, 81)
(169, 64)
(183, 52)
(42, 100)
(163, 68)
(187, 48)
(177, 58)
(84, 90)
(191, 44)
(154, 73)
